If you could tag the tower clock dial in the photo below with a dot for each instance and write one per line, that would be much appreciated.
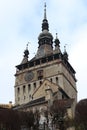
(29, 76)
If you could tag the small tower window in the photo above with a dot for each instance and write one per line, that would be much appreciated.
(51, 79)
(57, 80)
(18, 90)
(30, 97)
(24, 89)
(29, 87)
(34, 85)
(40, 82)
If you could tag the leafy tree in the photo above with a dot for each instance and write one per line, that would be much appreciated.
(58, 110)
(13, 120)
(30, 119)
(60, 115)
(8, 119)
(81, 115)
(36, 119)
(26, 119)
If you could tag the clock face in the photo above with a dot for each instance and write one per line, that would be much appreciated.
(29, 76)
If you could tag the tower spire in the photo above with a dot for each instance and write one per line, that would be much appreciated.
(45, 39)
(45, 25)
(45, 17)
(57, 44)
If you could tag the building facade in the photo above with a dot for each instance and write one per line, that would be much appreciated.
(47, 76)
(9, 106)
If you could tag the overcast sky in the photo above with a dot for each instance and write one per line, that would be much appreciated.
(20, 23)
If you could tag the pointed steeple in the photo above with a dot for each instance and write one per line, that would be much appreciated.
(45, 17)
(57, 44)
(45, 39)
(26, 53)
(45, 24)
(45, 36)
(65, 55)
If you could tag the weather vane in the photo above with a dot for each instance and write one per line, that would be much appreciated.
(56, 35)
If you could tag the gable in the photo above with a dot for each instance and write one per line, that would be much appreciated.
(41, 91)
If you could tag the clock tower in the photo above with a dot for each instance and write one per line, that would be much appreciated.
(47, 76)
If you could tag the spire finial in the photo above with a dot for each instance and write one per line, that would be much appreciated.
(45, 25)
(26, 52)
(45, 11)
(65, 47)
(65, 53)
(56, 35)
(57, 42)
(27, 45)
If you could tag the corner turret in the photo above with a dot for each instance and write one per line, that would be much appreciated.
(57, 45)
(65, 54)
(26, 53)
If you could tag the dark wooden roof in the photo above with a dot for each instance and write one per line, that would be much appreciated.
(36, 102)
(31, 103)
